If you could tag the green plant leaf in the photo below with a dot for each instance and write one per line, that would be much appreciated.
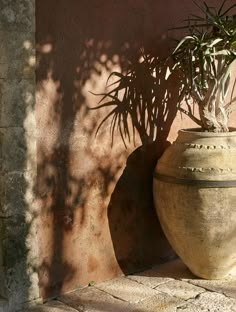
(214, 42)
(221, 7)
(229, 9)
(186, 38)
(221, 52)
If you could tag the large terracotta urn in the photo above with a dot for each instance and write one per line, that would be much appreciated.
(194, 192)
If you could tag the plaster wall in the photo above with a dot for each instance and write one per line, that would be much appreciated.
(97, 218)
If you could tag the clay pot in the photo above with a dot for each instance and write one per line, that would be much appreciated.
(195, 197)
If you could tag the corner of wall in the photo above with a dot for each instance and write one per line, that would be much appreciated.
(18, 208)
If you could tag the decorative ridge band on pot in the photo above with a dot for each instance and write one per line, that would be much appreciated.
(202, 183)
(201, 146)
(205, 134)
(206, 170)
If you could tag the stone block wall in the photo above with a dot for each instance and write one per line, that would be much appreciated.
(18, 211)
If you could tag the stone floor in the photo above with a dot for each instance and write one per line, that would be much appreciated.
(165, 288)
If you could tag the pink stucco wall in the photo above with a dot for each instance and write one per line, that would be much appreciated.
(97, 217)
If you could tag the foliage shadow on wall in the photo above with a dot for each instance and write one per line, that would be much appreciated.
(75, 175)
(142, 102)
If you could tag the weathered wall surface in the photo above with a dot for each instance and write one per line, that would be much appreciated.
(97, 218)
(18, 264)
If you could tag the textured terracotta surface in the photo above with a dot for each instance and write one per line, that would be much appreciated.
(97, 216)
(199, 221)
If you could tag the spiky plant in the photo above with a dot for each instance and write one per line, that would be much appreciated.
(204, 59)
(133, 99)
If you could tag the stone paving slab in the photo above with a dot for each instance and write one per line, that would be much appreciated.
(175, 269)
(226, 287)
(127, 290)
(181, 289)
(210, 302)
(91, 299)
(149, 278)
(52, 306)
(159, 303)
(169, 287)
(95, 300)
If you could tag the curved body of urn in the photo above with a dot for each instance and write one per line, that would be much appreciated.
(194, 192)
